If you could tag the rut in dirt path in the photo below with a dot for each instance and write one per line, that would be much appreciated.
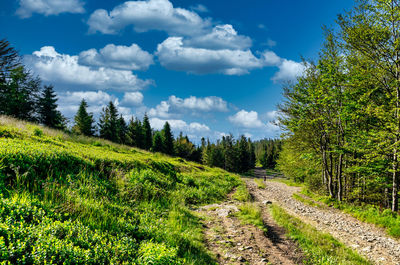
(235, 243)
(367, 239)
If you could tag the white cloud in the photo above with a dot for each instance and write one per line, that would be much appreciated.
(49, 7)
(147, 15)
(174, 56)
(54, 67)
(200, 8)
(271, 115)
(221, 37)
(246, 119)
(179, 125)
(271, 59)
(132, 99)
(118, 57)
(288, 70)
(176, 105)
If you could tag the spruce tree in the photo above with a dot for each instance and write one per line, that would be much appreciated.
(108, 123)
(158, 145)
(168, 139)
(19, 94)
(147, 133)
(122, 130)
(9, 60)
(47, 109)
(84, 122)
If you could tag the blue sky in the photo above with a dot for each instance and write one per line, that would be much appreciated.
(208, 67)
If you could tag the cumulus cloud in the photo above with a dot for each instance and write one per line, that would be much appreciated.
(118, 57)
(179, 125)
(147, 15)
(54, 67)
(48, 7)
(221, 37)
(173, 55)
(132, 99)
(288, 70)
(246, 119)
(176, 105)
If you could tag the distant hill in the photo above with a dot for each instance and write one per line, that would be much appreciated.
(68, 199)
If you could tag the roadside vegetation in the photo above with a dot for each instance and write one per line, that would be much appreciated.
(250, 213)
(79, 200)
(319, 248)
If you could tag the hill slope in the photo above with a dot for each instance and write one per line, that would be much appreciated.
(83, 200)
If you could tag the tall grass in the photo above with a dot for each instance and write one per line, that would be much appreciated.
(80, 200)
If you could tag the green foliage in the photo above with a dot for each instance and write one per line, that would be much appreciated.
(109, 123)
(167, 139)
(250, 213)
(242, 194)
(319, 248)
(47, 109)
(147, 133)
(267, 152)
(79, 200)
(260, 183)
(84, 122)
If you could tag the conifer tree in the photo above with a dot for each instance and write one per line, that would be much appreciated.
(47, 109)
(147, 133)
(19, 94)
(158, 145)
(108, 123)
(122, 129)
(168, 139)
(135, 133)
(84, 122)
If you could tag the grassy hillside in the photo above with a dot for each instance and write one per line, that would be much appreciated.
(78, 200)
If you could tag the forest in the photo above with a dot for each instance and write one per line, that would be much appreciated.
(342, 117)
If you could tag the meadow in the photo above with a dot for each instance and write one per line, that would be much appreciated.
(69, 199)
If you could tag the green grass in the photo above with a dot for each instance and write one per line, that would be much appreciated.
(242, 194)
(250, 213)
(67, 199)
(319, 248)
(260, 183)
(366, 213)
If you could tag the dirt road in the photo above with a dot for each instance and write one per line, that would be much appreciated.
(366, 239)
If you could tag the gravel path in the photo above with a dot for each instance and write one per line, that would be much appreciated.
(366, 239)
(233, 242)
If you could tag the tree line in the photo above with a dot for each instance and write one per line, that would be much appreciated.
(267, 152)
(22, 96)
(342, 116)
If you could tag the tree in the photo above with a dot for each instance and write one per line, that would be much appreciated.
(122, 130)
(373, 31)
(158, 145)
(47, 109)
(9, 60)
(84, 122)
(109, 123)
(147, 133)
(168, 139)
(19, 95)
(135, 133)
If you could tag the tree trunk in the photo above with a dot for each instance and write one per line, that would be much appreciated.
(395, 188)
(339, 178)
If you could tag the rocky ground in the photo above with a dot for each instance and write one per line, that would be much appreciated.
(235, 243)
(366, 239)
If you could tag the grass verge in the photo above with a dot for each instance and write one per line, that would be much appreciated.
(242, 194)
(250, 213)
(319, 248)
